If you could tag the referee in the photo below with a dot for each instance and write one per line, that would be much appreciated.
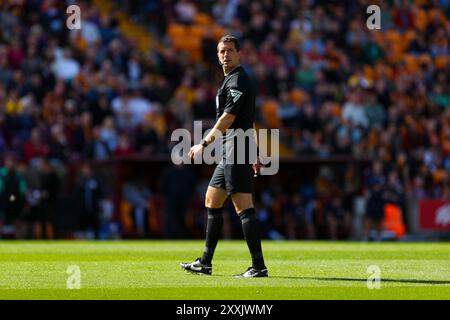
(235, 108)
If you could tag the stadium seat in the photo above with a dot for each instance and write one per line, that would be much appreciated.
(126, 216)
(411, 63)
(436, 15)
(393, 36)
(441, 62)
(369, 72)
(176, 30)
(156, 216)
(203, 19)
(420, 19)
(270, 113)
(297, 96)
(410, 36)
(218, 31)
(197, 31)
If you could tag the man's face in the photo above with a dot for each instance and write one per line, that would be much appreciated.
(228, 56)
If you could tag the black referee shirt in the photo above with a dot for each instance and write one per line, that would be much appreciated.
(236, 96)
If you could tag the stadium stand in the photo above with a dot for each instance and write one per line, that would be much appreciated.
(138, 70)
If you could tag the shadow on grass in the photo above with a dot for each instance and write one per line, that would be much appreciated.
(415, 281)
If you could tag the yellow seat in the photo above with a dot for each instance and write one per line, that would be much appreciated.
(425, 58)
(380, 38)
(270, 113)
(176, 30)
(393, 36)
(126, 219)
(337, 110)
(203, 19)
(218, 32)
(409, 36)
(369, 72)
(187, 43)
(178, 42)
(297, 96)
(440, 62)
(411, 63)
(197, 31)
(422, 2)
(192, 43)
(436, 15)
(421, 19)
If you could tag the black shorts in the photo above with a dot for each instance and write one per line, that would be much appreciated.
(233, 178)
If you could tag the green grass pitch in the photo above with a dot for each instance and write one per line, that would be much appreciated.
(150, 270)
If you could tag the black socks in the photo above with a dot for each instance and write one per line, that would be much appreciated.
(213, 232)
(250, 227)
(252, 234)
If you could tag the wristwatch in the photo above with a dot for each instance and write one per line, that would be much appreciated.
(203, 143)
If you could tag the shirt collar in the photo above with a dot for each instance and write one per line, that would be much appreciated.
(234, 70)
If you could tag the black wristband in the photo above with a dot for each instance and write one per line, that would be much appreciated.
(204, 143)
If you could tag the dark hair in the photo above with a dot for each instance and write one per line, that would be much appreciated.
(230, 38)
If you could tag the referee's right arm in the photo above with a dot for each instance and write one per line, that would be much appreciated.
(224, 122)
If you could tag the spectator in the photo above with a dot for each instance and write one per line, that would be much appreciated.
(97, 149)
(122, 110)
(353, 110)
(287, 112)
(375, 113)
(108, 134)
(186, 11)
(48, 193)
(59, 150)
(15, 54)
(12, 197)
(147, 141)
(100, 109)
(89, 193)
(176, 184)
(65, 67)
(124, 147)
(90, 31)
(138, 195)
(338, 219)
(375, 201)
(34, 149)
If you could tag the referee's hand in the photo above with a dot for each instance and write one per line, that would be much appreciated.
(195, 151)
(257, 167)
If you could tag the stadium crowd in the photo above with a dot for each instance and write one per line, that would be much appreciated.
(330, 84)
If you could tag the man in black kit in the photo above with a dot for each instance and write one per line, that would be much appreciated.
(235, 106)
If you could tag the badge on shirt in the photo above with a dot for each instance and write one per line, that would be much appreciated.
(235, 94)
